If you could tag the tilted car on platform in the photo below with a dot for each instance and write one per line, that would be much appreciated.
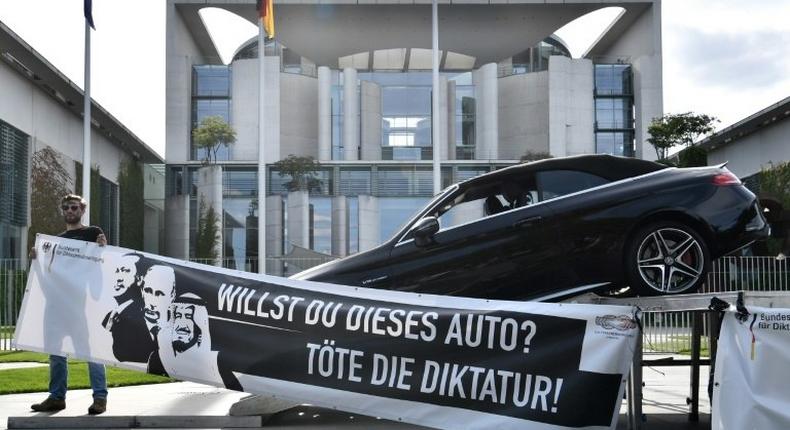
(558, 227)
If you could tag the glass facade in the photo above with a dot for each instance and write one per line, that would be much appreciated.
(14, 147)
(211, 88)
(614, 110)
(400, 190)
(406, 114)
(291, 62)
(534, 59)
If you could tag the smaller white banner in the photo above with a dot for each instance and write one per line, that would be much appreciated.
(751, 388)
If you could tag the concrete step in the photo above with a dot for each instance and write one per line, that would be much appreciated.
(144, 422)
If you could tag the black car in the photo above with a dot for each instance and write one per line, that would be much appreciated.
(558, 227)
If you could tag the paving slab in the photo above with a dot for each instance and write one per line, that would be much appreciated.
(21, 365)
(665, 393)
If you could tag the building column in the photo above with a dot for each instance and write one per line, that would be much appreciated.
(324, 114)
(444, 114)
(350, 114)
(371, 121)
(369, 222)
(177, 226)
(274, 235)
(298, 209)
(339, 226)
(209, 190)
(451, 120)
(487, 114)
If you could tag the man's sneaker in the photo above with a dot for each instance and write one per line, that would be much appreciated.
(780, 257)
(98, 406)
(49, 405)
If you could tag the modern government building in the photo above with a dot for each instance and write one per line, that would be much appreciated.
(348, 83)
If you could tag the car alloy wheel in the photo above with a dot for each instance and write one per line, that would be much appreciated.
(670, 260)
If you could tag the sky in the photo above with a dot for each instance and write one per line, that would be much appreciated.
(726, 58)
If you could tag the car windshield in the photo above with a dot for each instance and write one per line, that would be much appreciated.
(403, 229)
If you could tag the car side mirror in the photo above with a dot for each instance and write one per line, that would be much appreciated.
(424, 230)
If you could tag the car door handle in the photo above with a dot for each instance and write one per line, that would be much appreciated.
(526, 222)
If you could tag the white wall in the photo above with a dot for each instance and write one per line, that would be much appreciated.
(298, 115)
(181, 53)
(523, 114)
(750, 154)
(571, 108)
(244, 109)
(49, 123)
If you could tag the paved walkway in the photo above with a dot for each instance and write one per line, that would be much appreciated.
(665, 392)
(21, 365)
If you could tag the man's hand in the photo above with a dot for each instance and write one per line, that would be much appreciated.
(101, 239)
(32, 253)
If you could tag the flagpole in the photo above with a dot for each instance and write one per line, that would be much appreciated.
(86, 128)
(437, 169)
(261, 152)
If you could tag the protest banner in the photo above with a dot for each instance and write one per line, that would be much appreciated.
(445, 362)
(750, 385)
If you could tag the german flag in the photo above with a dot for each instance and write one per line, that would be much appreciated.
(266, 11)
(87, 8)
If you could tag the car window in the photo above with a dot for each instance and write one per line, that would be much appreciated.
(556, 183)
(486, 200)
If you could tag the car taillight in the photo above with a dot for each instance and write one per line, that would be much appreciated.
(726, 178)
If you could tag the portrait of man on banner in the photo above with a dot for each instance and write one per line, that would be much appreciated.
(159, 288)
(131, 339)
(185, 340)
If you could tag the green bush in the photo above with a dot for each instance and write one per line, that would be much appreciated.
(693, 156)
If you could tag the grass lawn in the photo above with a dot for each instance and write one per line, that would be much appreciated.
(13, 381)
(677, 344)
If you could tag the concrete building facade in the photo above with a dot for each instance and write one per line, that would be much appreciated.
(754, 143)
(41, 110)
(348, 84)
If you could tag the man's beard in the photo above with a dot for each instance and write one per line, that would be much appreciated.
(179, 346)
(71, 219)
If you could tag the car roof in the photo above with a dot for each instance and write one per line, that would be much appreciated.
(610, 167)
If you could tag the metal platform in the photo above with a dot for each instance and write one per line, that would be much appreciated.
(708, 305)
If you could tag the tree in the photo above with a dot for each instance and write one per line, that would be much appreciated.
(303, 173)
(678, 129)
(207, 233)
(131, 204)
(49, 182)
(212, 132)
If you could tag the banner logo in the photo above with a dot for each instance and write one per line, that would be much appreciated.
(616, 322)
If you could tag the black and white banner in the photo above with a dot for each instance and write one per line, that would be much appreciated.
(751, 388)
(445, 362)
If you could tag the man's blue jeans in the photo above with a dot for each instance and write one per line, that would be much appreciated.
(59, 373)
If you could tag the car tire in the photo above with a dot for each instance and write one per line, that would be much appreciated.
(666, 258)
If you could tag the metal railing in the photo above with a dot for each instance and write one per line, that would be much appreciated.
(13, 278)
(670, 332)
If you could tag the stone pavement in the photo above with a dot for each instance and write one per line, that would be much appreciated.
(665, 392)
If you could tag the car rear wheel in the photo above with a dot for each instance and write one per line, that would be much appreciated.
(666, 258)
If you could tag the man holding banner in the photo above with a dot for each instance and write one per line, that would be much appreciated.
(73, 207)
(437, 361)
